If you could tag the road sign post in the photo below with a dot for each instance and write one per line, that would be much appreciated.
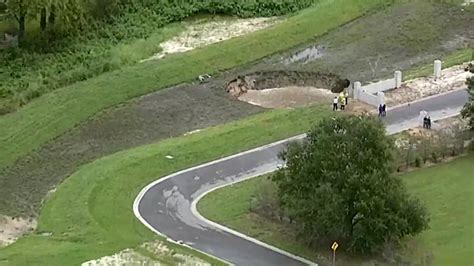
(334, 247)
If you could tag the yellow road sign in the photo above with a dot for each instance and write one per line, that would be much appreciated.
(334, 246)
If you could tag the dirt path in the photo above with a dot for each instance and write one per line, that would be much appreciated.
(188, 107)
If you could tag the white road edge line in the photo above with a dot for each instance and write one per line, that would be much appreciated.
(140, 195)
(241, 235)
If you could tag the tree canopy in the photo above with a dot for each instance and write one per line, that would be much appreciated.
(468, 110)
(338, 185)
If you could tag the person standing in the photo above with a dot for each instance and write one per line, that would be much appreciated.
(343, 103)
(384, 110)
(334, 104)
(380, 110)
(346, 96)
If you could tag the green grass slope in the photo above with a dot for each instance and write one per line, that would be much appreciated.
(54, 113)
(446, 189)
(448, 192)
(90, 215)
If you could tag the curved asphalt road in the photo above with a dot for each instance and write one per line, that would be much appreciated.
(168, 206)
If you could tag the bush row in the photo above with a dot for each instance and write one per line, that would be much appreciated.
(433, 147)
(56, 58)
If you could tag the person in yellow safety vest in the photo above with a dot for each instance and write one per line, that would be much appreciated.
(342, 101)
(346, 96)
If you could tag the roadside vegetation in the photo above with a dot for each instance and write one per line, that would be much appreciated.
(338, 184)
(468, 110)
(440, 188)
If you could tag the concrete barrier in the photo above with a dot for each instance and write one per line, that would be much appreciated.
(437, 69)
(384, 85)
(369, 98)
(357, 90)
(398, 79)
(373, 93)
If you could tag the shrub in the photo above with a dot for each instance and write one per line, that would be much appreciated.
(435, 157)
(418, 162)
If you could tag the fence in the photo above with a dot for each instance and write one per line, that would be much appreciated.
(373, 93)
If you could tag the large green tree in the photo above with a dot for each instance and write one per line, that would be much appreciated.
(338, 185)
(468, 110)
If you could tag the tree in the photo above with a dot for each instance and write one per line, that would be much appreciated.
(70, 12)
(338, 185)
(468, 110)
(19, 10)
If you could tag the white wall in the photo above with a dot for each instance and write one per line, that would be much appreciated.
(373, 93)
(369, 98)
(384, 85)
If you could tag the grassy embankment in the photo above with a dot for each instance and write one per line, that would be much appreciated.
(90, 214)
(54, 113)
(456, 58)
(446, 189)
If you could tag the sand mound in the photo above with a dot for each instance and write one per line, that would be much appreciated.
(155, 248)
(287, 97)
(13, 228)
(209, 32)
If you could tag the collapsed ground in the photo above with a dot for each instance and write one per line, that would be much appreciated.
(393, 33)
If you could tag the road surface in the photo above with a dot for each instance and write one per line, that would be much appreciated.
(168, 206)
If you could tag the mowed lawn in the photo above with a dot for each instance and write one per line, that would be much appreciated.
(448, 192)
(446, 189)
